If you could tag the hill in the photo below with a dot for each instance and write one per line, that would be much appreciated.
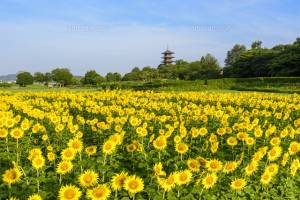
(9, 77)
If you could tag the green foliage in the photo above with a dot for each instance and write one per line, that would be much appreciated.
(62, 76)
(92, 78)
(234, 54)
(113, 77)
(24, 78)
(267, 84)
(39, 77)
(5, 85)
(281, 60)
(206, 67)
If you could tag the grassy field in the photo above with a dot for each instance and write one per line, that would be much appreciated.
(275, 85)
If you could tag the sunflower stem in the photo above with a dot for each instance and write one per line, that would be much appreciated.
(17, 151)
(80, 158)
(200, 194)
(38, 182)
(60, 179)
(9, 190)
(7, 149)
(116, 194)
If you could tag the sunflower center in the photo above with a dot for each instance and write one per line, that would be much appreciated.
(12, 175)
(64, 166)
(160, 143)
(133, 185)
(69, 194)
(183, 177)
(88, 178)
(238, 184)
(209, 180)
(99, 193)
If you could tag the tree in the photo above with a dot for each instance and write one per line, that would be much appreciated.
(47, 77)
(24, 78)
(256, 44)
(113, 77)
(92, 78)
(234, 54)
(62, 76)
(39, 77)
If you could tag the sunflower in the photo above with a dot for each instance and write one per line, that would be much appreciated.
(251, 168)
(181, 148)
(91, 150)
(12, 175)
(101, 192)
(230, 167)
(117, 138)
(64, 167)
(285, 159)
(131, 148)
(10, 123)
(238, 184)
(232, 141)
(88, 178)
(274, 153)
(51, 156)
(133, 184)
(214, 165)
(108, 147)
(142, 132)
(34, 153)
(38, 162)
(160, 143)
(158, 169)
(295, 165)
(209, 180)
(68, 154)
(134, 121)
(275, 141)
(193, 165)
(294, 148)
(45, 137)
(183, 177)
(265, 178)
(69, 192)
(76, 144)
(272, 169)
(168, 183)
(177, 139)
(35, 197)
(250, 141)
(3, 133)
(117, 181)
(50, 148)
(17, 133)
(203, 131)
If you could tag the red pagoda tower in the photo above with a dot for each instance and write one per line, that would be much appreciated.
(167, 57)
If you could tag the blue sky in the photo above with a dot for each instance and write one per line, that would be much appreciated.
(39, 35)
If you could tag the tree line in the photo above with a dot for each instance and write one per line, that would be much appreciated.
(257, 61)
(280, 60)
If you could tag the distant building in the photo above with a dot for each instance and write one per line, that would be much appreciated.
(167, 57)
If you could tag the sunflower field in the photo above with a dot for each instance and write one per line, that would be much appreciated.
(146, 145)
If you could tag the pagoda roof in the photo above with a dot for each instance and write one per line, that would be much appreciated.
(168, 57)
(168, 52)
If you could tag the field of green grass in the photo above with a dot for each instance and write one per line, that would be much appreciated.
(275, 85)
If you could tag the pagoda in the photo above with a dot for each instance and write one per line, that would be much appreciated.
(167, 57)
